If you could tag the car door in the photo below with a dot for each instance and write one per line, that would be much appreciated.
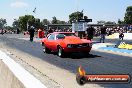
(51, 42)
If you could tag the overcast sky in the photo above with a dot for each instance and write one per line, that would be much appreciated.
(108, 10)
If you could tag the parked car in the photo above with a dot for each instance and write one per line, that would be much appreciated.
(64, 43)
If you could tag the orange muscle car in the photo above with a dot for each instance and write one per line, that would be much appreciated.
(65, 42)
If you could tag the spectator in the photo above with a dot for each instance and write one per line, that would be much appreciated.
(84, 36)
(121, 35)
(90, 32)
(125, 29)
(31, 32)
(5, 31)
(18, 30)
(50, 31)
(103, 33)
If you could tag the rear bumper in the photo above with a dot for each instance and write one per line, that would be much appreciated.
(72, 50)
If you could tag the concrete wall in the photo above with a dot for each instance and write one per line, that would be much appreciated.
(7, 78)
(13, 75)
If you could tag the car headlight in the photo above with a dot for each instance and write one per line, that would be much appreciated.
(69, 46)
(90, 44)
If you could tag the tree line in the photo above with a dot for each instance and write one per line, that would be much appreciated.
(23, 22)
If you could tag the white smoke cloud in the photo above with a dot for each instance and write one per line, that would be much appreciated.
(19, 4)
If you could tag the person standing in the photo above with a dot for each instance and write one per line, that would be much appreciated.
(90, 33)
(31, 32)
(125, 29)
(5, 31)
(103, 33)
(121, 35)
(50, 31)
(18, 30)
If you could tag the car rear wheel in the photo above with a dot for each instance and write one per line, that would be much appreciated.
(60, 52)
(45, 49)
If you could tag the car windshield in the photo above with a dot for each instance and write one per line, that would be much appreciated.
(68, 34)
(62, 35)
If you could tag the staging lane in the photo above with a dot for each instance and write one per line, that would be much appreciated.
(97, 62)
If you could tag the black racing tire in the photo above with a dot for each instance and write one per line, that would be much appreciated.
(45, 49)
(60, 52)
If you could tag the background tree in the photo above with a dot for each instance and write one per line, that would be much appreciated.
(120, 21)
(128, 15)
(27, 20)
(2, 23)
(105, 22)
(110, 22)
(61, 22)
(9, 28)
(101, 22)
(37, 23)
(75, 16)
(15, 24)
(54, 20)
(45, 22)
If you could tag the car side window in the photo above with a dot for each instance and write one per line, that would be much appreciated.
(60, 36)
(51, 37)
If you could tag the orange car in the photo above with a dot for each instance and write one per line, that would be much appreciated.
(65, 42)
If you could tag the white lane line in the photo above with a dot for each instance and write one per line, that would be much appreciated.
(111, 50)
(117, 51)
(28, 80)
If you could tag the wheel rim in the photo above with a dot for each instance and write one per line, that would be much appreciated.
(60, 52)
(43, 48)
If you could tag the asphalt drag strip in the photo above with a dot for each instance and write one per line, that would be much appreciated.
(63, 70)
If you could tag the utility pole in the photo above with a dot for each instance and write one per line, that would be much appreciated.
(77, 3)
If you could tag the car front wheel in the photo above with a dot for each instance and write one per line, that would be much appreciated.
(60, 52)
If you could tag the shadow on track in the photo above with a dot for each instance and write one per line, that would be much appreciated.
(81, 56)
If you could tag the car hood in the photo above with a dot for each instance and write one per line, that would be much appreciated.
(75, 40)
